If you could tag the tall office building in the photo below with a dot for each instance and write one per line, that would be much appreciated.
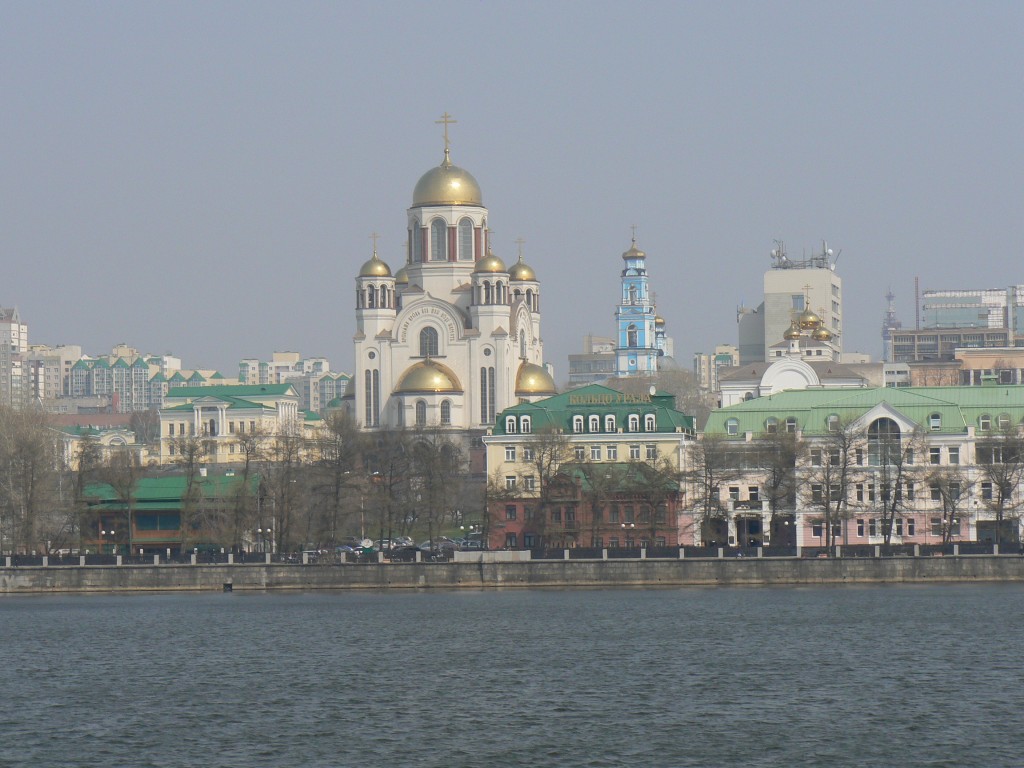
(14, 383)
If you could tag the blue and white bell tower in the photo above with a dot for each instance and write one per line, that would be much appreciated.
(636, 351)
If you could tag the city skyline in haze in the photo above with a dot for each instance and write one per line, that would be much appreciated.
(204, 179)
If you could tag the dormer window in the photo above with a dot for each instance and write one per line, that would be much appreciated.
(650, 423)
(525, 425)
(634, 423)
(609, 423)
(510, 425)
(577, 424)
(594, 424)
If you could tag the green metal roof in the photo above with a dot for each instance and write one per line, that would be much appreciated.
(233, 390)
(166, 492)
(558, 411)
(956, 407)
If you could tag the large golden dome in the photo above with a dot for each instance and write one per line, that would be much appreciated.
(520, 271)
(490, 263)
(808, 320)
(447, 185)
(375, 268)
(428, 376)
(534, 380)
(402, 276)
(821, 334)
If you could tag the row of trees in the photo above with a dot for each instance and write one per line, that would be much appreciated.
(878, 472)
(300, 491)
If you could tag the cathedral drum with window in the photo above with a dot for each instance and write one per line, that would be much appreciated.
(453, 338)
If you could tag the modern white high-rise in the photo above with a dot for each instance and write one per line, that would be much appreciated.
(791, 287)
(14, 389)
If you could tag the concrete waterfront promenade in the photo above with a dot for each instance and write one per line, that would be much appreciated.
(482, 573)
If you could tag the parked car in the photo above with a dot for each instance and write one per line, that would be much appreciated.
(406, 554)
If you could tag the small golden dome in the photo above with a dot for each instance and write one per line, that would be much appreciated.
(634, 253)
(490, 263)
(521, 271)
(793, 332)
(821, 334)
(808, 320)
(428, 376)
(659, 321)
(447, 185)
(402, 276)
(375, 268)
(534, 380)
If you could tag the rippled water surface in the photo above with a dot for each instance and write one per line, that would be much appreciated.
(863, 676)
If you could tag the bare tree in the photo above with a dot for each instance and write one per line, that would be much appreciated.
(1000, 460)
(891, 465)
(28, 481)
(549, 449)
(779, 454)
(655, 486)
(189, 451)
(713, 465)
(336, 475)
(146, 426)
(604, 484)
(122, 474)
(436, 474)
(952, 487)
(831, 475)
(283, 475)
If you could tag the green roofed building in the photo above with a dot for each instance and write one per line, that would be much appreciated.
(863, 467)
(592, 467)
(162, 513)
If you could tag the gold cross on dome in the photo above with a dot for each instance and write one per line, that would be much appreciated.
(374, 237)
(633, 227)
(447, 120)
(519, 242)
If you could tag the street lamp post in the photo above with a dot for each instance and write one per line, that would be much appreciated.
(113, 544)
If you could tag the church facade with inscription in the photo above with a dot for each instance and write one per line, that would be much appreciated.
(452, 337)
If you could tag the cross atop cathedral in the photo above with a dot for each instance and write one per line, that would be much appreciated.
(374, 237)
(447, 120)
(519, 242)
(633, 227)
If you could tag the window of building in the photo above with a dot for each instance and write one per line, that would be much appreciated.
(817, 529)
(631, 336)
(528, 453)
(732, 426)
(985, 422)
(935, 491)
(609, 423)
(170, 430)
(910, 490)
(791, 423)
(510, 511)
(526, 425)
(1003, 422)
(634, 452)
(652, 451)
(421, 413)
(438, 240)
(936, 526)
(898, 522)
(510, 453)
(935, 422)
(771, 425)
(954, 455)
(511, 540)
(613, 514)
(594, 424)
(884, 442)
(428, 342)
(986, 490)
(556, 515)
(612, 452)
(911, 527)
(934, 455)
(529, 540)
(650, 423)
(530, 483)
(577, 424)
(510, 482)
(613, 542)
(597, 542)
(510, 425)
(466, 240)
(815, 457)
(595, 453)
(858, 456)
(580, 453)
(633, 423)
(832, 423)
(872, 527)
(446, 412)
(860, 527)
(734, 492)
(817, 494)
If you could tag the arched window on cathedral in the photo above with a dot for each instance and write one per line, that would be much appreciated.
(428, 342)
(522, 344)
(465, 240)
(529, 301)
(446, 412)
(371, 297)
(438, 240)
(421, 413)
(631, 336)
(360, 298)
(487, 292)
(384, 301)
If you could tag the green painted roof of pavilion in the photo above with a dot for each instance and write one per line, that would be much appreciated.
(956, 407)
(165, 493)
(558, 411)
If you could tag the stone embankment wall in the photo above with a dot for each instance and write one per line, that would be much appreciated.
(568, 573)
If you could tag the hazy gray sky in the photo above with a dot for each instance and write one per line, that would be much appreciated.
(203, 177)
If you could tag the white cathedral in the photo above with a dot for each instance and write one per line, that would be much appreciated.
(453, 337)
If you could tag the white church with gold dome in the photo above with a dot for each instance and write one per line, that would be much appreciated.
(451, 338)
